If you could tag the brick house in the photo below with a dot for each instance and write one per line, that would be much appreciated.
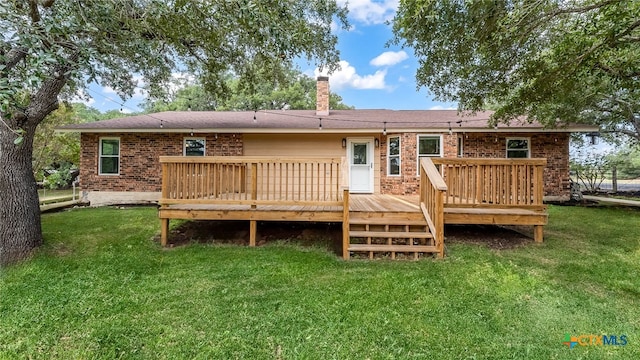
(120, 157)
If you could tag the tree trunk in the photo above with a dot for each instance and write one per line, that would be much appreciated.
(20, 229)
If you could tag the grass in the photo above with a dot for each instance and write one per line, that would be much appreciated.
(102, 288)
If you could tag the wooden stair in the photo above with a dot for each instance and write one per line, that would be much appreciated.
(387, 234)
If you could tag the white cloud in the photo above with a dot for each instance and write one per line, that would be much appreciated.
(389, 58)
(83, 97)
(108, 90)
(347, 77)
(440, 107)
(180, 80)
(371, 12)
(138, 92)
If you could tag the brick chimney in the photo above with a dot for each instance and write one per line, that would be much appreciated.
(322, 96)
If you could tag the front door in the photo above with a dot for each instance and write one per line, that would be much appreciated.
(360, 153)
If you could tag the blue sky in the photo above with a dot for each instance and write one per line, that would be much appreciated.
(372, 75)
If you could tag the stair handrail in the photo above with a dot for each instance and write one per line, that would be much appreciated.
(432, 190)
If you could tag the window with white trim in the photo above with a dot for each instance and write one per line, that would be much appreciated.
(460, 146)
(518, 148)
(393, 156)
(109, 162)
(429, 146)
(194, 146)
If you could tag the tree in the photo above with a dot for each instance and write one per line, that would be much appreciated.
(590, 169)
(189, 97)
(52, 49)
(627, 162)
(50, 148)
(554, 61)
(55, 151)
(294, 91)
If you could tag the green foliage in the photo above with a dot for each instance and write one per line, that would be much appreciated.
(294, 91)
(190, 97)
(590, 168)
(112, 41)
(61, 177)
(101, 288)
(20, 137)
(550, 60)
(51, 148)
(627, 162)
(61, 46)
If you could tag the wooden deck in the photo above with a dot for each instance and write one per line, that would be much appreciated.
(472, 191)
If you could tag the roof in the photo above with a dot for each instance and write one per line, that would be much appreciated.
(305, 121)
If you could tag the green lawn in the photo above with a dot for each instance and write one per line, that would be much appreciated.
(101, 288)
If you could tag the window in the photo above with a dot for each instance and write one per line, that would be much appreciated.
(194, 147)
(393, 156)
(428, 146)
(460, 146)
(517, 148)
(109, 163)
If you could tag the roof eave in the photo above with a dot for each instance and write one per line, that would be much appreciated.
(577, 129)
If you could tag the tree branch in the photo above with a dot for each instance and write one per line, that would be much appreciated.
(542, 19)
(45, 100)
(582, 9)
(630, 39)
(14, 56)
(627, 31)
(34, 13)
(610, 41)
(617, 72)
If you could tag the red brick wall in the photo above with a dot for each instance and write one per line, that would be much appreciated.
(408, 182)
(554, 147)
(140, 168)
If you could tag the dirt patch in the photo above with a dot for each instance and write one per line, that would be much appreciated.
(329, 235)
(492, 236)
(237, 233)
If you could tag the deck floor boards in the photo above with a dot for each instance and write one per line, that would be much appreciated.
(377, 209)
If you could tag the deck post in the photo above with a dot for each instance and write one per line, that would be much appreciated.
(164, 231)
(538, 233)
(346, 238)
(439, 223)
(253, 229)
(479, 183)
(254, 183)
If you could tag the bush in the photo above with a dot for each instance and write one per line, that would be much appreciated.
(62, 177)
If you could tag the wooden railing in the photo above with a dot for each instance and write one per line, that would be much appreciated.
(432, 190)
(474, 182)
(252, 180)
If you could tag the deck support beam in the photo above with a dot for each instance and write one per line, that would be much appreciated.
(346, 237)
(164, 231)
(538, 233)
(253, 230)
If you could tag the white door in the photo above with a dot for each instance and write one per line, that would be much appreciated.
(360, 153)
